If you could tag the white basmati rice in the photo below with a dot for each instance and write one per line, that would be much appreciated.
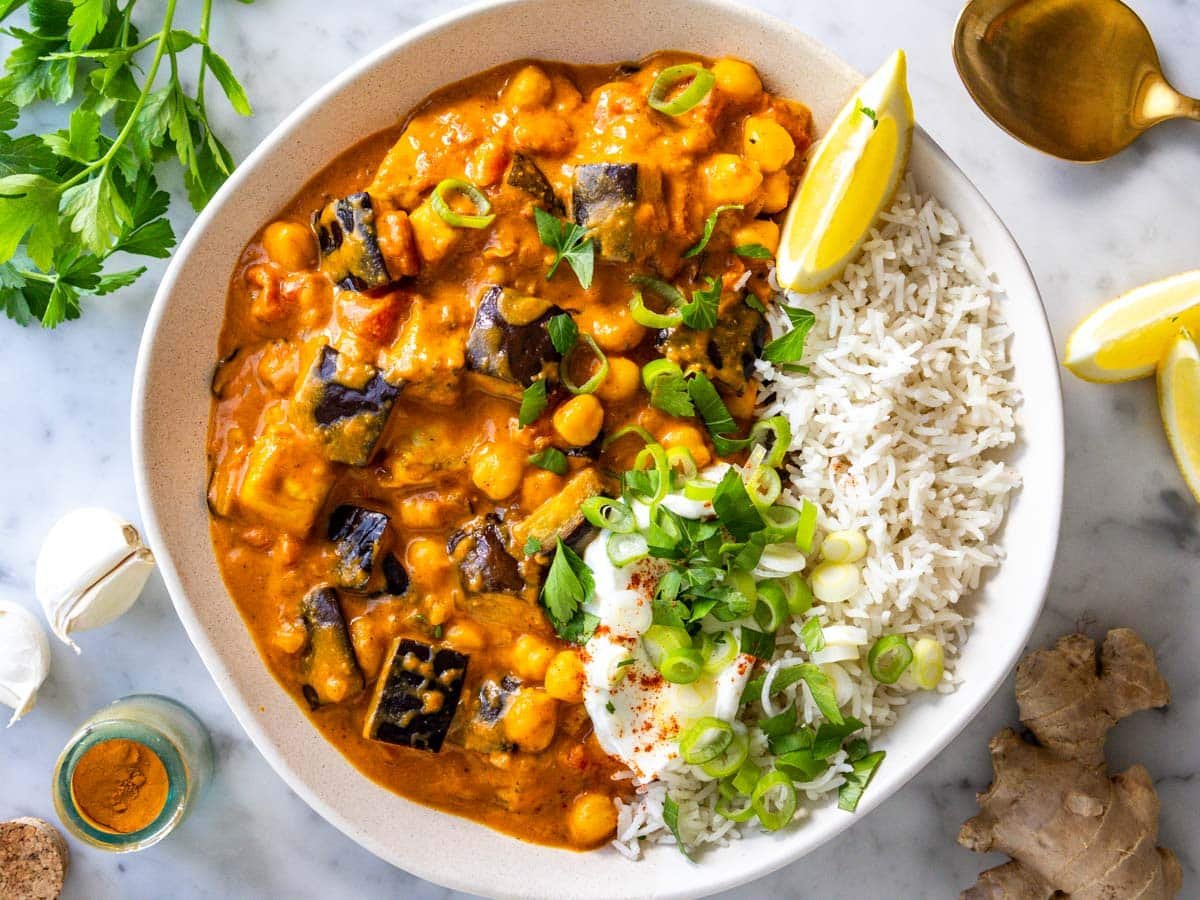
(895, 432)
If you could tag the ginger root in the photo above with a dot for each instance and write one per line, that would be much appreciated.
(1069, 827)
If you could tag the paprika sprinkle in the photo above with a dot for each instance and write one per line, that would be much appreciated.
(120, 786)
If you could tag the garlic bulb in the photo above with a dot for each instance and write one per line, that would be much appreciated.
(24, 658)
(91, 569)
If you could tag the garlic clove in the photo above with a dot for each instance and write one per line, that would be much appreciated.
(91, 569)
(24, 658)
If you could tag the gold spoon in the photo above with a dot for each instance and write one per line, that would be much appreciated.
(1078, 79)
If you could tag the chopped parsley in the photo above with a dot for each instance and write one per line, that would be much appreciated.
(670, 816)
(532, 546)
(700, 312)
(551, 459)
(533, 403)
(710, 225)
(569, 242)
(734, 508)
(789, 348)
(569, 584)
(753, 251)
(813, 635)
(670, 393)
(856, 782)
(563, 333)
(870, 114)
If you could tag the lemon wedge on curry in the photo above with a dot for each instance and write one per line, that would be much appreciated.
(1179, 402)
(1126, 337)
(852, 175)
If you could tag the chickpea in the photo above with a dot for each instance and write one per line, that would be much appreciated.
(422, 511)
(592, 819)
(767, 143)
(776, 191)
(613, 327)
(368, 646)
(290, 636)
(532, 657)
(531, 720)
(760, 231)
(497, 469)
(290, 245)
(622, 382)
(690, 438)
(736, 78)
(731, 179)
(426, 556)
(466, 635)
(538, 487)
(564, 678)
(579, 420)
(528, 88)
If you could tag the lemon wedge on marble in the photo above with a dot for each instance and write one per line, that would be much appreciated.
(1179, 402)
(1125, 338)
(851, 176)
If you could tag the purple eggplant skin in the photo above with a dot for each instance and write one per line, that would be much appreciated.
(395, 576)
(525, 174)
(417, 695)
(357, 534)
(603, 200)
(329, 667)
(350, 254)
(725, 353)
(483, 558)
(349, 420)
(510, 352)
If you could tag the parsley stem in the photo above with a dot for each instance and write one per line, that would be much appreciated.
(205, 16)
(164, 40)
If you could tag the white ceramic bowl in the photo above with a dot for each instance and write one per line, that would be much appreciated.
(171, 405)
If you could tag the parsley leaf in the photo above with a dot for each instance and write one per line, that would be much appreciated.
(563, 333)
(734, 507)
(813, 635)
(870, 114)
(669, 392)
(700, 312)
(569, 584)
(789, 348)
(72, 197)
(551, 459)
(532, 546)
(670, 816)
(753, 251)
(710, 225)
(856, 782)
(716, 415)
(533, 403)
(570, 242)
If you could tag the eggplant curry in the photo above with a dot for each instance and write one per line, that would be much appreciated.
(429, 362)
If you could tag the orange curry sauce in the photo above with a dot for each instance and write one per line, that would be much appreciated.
(452, 451)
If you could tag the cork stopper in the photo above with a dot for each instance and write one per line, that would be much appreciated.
(33, 860)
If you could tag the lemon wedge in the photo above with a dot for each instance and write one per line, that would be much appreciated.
(1126, 337)
(851, 177)
(1179, 402)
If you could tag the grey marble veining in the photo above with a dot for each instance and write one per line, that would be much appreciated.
(1128, 554)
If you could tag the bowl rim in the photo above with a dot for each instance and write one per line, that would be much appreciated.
(902, 771)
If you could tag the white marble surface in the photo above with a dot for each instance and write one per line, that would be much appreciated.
(1128, 554)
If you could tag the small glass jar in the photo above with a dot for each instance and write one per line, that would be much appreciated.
(165, 727)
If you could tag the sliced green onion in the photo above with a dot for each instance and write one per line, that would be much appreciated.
(483, 207)
(701, 82)
(929, 662)
(659, 640)
(744, 584)
(738, 808)
(699, 489)
(799, 594)
(718, 650)
(589, 386)
(774, 800)
(774, 607)
(844, 546)
(656, 454)
(835, 582)
(681, 460)
(656, 367)
(781, 523)
(704, 740)
(604, 512)
(682, 666)
(731, 758)
(888, 658)
(746, 778)
(638, 430)
(774, 435)
(807, 529)
(643, 315)
(624, 549)
(764, 485)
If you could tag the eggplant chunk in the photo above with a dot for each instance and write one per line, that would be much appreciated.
(348, 405)
(329, 668)
(395, 576)
(483, 558)
(725, 353)
(357, 534)
(416, 695)
(560, 516)
(508, 339)
(350, 253)
(480, 725)
(525, 175)
(603, 200)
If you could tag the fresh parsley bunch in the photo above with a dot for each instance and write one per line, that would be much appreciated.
(71, 199)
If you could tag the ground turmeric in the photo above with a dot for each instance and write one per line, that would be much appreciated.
(120, 785)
